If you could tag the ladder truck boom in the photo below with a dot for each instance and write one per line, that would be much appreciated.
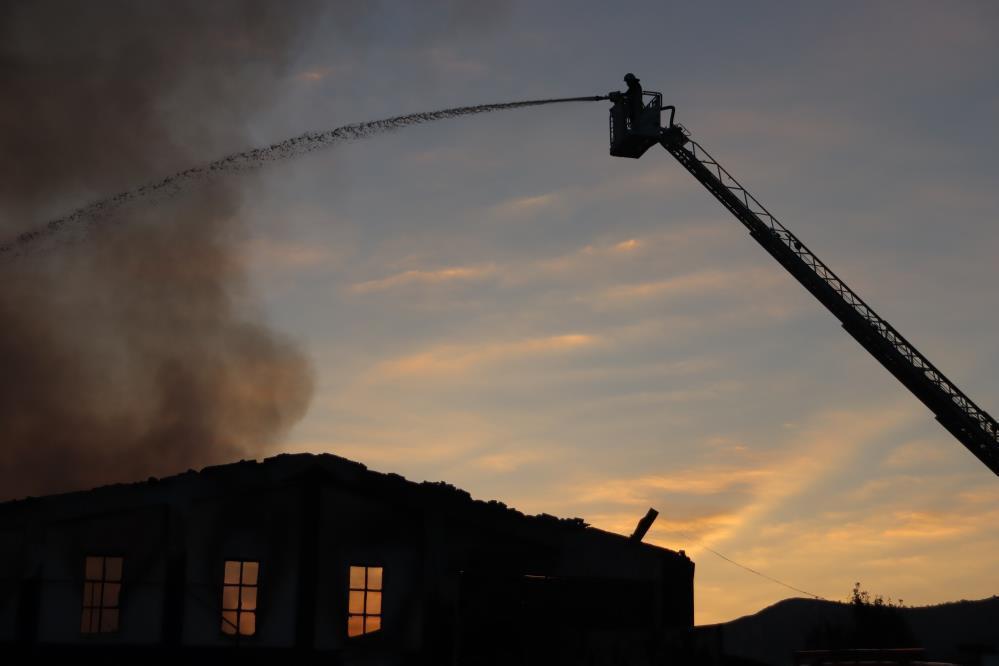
(635, 127)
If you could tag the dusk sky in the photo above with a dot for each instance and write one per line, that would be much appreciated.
(496, 302)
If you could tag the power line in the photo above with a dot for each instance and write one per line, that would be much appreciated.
(750, 569)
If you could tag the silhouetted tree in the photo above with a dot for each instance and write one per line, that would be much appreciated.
(879, 622)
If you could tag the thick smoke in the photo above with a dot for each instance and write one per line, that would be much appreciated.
(136, 353)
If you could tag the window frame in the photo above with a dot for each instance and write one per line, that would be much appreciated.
(237, 634)
(364, 614)
(100, 608)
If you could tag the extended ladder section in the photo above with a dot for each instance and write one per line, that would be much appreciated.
(968, 422)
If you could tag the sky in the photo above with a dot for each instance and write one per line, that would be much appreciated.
(496, 302)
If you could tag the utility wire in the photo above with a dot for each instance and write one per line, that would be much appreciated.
(750, 569)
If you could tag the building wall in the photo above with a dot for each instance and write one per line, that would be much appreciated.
(450, 569)
(11, 581)
(260, 526)
(135, 535)
(360, 530)
(587, 595)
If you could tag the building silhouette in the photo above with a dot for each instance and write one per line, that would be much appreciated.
(316, 559)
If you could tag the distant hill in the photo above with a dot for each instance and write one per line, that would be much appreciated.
(952, 632)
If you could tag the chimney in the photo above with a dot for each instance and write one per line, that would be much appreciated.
(644, 524)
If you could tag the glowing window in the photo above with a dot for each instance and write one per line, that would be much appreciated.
(239, 597)
(101, 594)
(364, 601)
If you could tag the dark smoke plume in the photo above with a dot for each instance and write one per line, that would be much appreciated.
(138, 352)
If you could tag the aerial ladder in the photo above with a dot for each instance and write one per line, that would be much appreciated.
(635, 126)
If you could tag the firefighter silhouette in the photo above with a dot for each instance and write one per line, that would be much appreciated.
(634, 96)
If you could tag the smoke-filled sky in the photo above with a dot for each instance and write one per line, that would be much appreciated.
(138, 348)
(496, 302)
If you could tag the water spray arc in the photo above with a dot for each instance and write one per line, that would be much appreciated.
(255, 158)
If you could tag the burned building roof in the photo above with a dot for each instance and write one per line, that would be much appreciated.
(287, 470)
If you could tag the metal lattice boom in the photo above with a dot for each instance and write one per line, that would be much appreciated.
(972, 425)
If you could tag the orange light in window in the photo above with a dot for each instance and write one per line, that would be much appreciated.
(239, 597)
(364, 600)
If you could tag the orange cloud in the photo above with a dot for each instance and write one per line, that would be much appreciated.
(413, 277)
(503, 462)
(916, 454)
(453, 359)
(817, 449)
(933, 525)
(702, 481)
(522, 207)
(316, 74)
(270, 254)
(695, 283)
(628, 245)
